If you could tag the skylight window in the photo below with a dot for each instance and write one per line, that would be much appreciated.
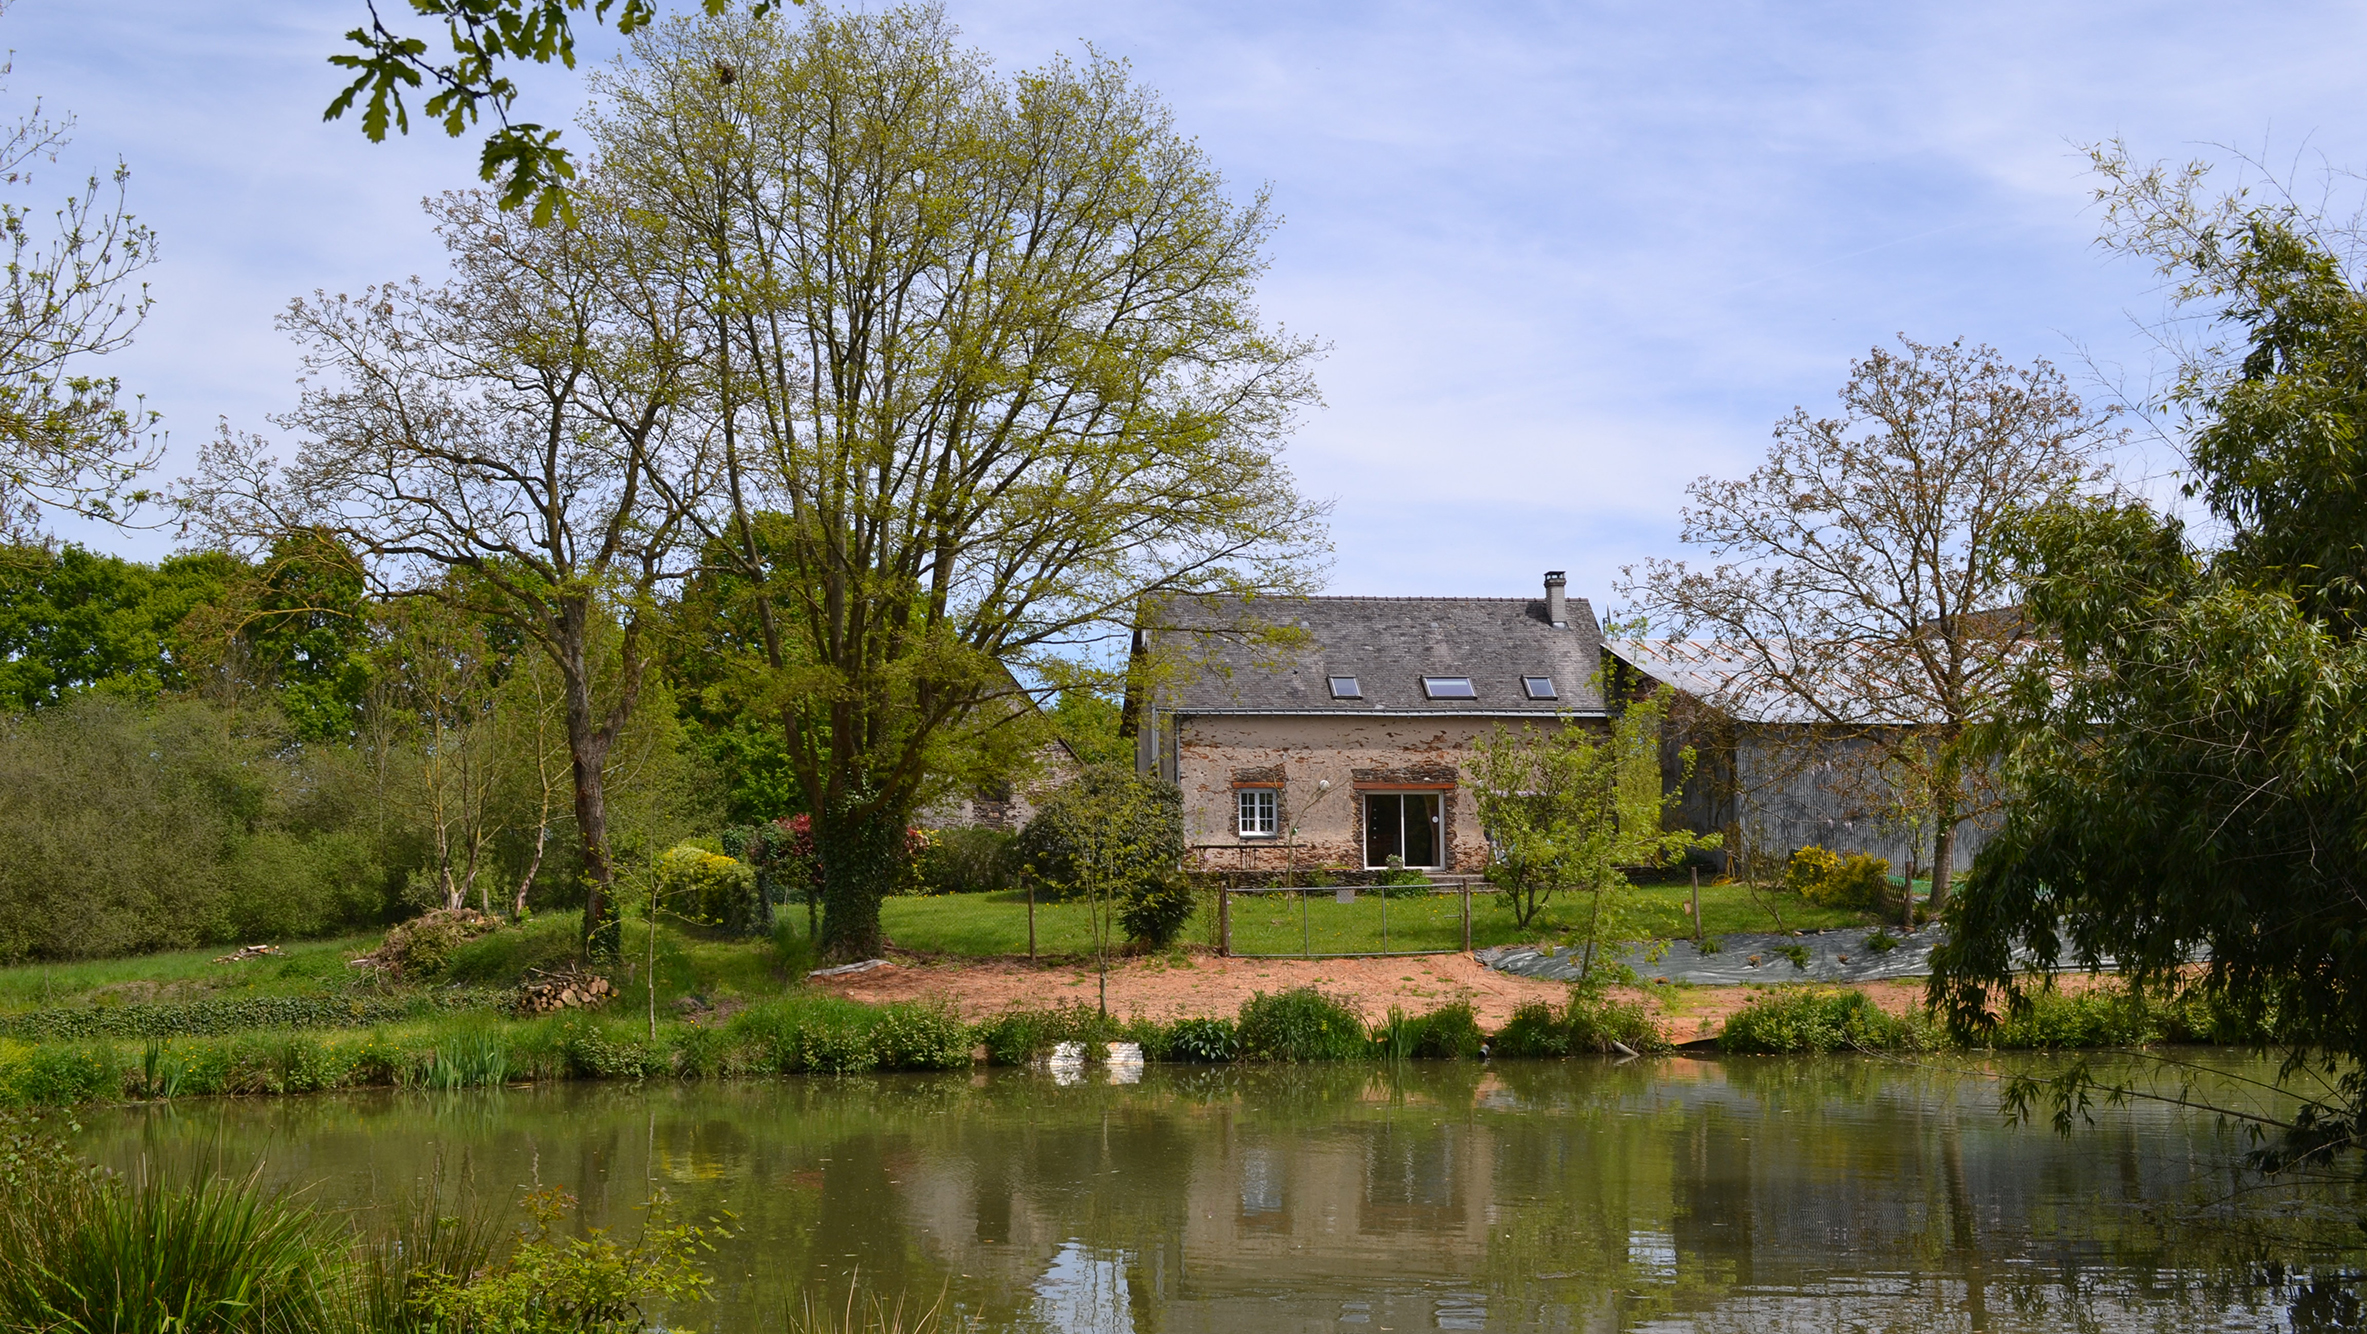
(1539, 687)
(1344, 687)
(1448, 687)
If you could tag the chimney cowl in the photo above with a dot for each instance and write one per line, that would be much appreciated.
(1556, 603)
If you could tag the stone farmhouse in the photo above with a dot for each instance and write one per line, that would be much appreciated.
(1333, 732)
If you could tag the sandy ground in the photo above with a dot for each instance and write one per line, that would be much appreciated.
(1207, 985)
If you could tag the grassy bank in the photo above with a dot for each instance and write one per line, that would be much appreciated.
(811, 1033)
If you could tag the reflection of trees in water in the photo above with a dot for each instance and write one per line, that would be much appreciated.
(1749, 1193)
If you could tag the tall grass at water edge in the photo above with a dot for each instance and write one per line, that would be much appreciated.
(820, 1034)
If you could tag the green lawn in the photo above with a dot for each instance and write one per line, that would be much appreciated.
(697, 962)
(996, 924)
(308, 968)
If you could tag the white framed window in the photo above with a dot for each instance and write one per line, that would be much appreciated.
(1539, 687)
(1259, 811)
(1448, 687)
(1345, 687)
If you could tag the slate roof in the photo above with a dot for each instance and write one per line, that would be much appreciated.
(1388, 645)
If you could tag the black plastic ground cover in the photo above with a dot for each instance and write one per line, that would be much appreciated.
(1829, 956)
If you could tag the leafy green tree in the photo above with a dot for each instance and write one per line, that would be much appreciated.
(1114, 839)
(482, 37)
(2184, 762)
(73, 621)
(985, 371)
(1570, 810)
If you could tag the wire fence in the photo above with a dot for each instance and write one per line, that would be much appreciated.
(1344, 921)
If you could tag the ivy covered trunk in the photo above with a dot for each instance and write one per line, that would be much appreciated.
(862, 855)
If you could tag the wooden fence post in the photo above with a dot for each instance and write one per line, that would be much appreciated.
(1224, 919)
(1466, 917)
(1697, 908)
(1031, 919)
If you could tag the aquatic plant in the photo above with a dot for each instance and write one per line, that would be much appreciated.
(1814, 1019)
(1301, 1024)
(1207, 1041)
(81, 1250)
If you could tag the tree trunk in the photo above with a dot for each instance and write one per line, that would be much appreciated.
(1943, 859)
(862, 856)
(587, 754)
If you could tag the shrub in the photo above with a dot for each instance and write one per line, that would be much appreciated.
(593, 1051)
(968, 861)
(1154, 910)
(135, 827)
(1828, 880)
(1208, 1041)
(1396, 882)
(1018, 1036)
(921, 1037)
(1813, 1019)
(1108, 813)
(55, 1074)
(1449, 1033)
(1301, 1024)
(2100, 1017)
(549, 1280)
(1014, 1038)
(1588, 1022)
(1533, 1031)
(213, 1017)
(1595, 1019)
(709, 887)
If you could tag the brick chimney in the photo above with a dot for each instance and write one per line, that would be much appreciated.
(1556, 608)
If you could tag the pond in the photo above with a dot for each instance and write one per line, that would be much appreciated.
(1721, 1194)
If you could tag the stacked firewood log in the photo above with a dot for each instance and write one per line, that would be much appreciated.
(549, 993)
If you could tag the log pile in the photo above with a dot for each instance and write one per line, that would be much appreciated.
(246, 952)
(549, 993)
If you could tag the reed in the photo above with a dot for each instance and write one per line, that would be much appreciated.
(205, 1255)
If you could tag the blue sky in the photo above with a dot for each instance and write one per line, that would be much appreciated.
(1567, 257)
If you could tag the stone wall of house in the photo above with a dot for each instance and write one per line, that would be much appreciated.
(1215, 756)
(1007, 806)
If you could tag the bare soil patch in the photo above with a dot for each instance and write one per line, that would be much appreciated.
(1211, 986)
(1202, 985)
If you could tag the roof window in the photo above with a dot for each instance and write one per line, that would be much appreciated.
(1344, 687)
(1448, 687)
(1539, 687)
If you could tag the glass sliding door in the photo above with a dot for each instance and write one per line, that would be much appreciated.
(1401, 824)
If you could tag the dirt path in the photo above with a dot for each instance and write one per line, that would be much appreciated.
(1207, 985)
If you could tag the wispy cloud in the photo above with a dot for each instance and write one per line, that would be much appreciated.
(1567, 257)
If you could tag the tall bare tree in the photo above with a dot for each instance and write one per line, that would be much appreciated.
(986, 374)
(512, 441)
(1862, 572)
